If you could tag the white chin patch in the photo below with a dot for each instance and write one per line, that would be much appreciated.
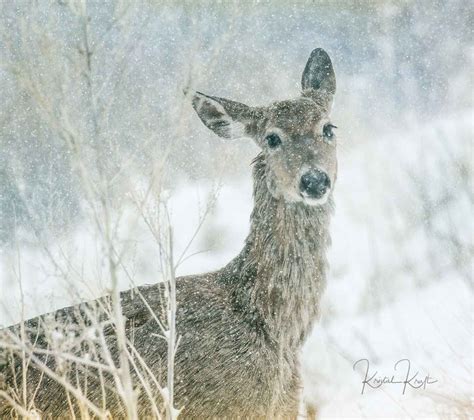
(315, 201)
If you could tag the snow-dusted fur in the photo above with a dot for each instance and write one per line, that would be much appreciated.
(242, 327)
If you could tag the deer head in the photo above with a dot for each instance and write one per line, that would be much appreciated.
(296, 136)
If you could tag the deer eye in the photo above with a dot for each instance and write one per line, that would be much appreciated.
(273, 140)
(327, 131)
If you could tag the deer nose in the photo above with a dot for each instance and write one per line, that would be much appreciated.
(314, 183)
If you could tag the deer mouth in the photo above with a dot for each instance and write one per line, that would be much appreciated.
(312, 201)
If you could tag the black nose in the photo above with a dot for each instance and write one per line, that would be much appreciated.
(314, 183)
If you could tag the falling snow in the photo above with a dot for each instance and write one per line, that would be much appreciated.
(107, 114)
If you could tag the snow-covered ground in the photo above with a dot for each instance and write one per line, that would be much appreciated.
(375, 307)
(400, 284)
(431, 327)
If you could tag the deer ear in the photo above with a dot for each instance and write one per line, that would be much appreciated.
(318, 80)
(228, 119)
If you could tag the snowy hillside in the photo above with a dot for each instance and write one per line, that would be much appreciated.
(80, 128)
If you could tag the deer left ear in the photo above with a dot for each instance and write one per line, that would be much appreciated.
(228, 119)
(318, 80)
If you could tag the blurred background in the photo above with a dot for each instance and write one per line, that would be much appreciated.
(95, 131)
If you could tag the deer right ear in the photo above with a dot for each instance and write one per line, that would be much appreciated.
(318, 80)
(228, 119)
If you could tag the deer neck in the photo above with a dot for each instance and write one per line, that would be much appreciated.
(282, 268)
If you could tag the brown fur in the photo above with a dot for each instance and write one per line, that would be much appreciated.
(242, 326)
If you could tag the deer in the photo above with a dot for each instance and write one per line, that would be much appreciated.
(242, 327)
